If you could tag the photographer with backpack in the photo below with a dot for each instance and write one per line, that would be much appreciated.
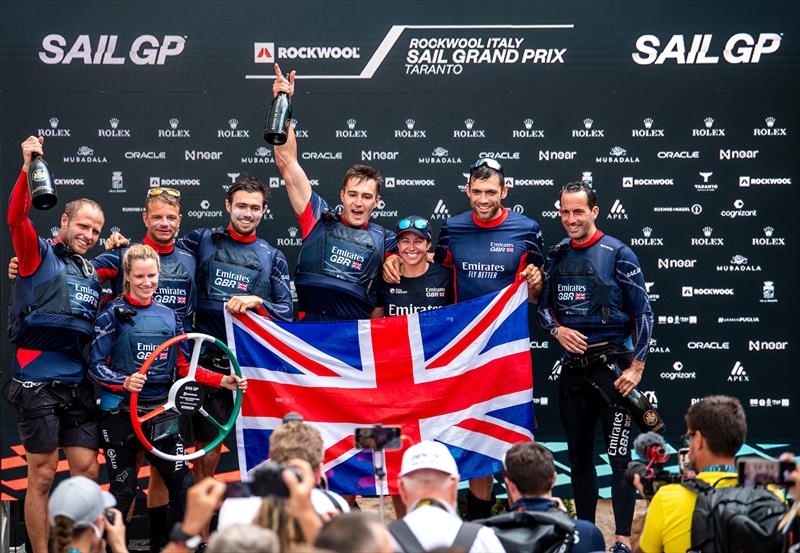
(710, 513)
(535, 524)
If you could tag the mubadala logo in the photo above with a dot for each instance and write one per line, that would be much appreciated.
(695, 49)
(391, 182)
(738, 374)
(69, 182)
(469, 131)
(708, 130)
(677, 319)
(553, 213)
(293, 239)
(439, 156)
(707, 239)
(648, 131)
(204, 211)
(739, 263)
(630, 182)
(324, 156)
(499, 155)
(528, 131)
(233, 130)
(737, 154)
(144, 50)
(117, 185)
(114, 131)
(262, 155)
(766, 345)
(653, 297)
(770, 129)
(555, 372)
(173, 131)
(706, 186)
(410, 131)
(690, 291)
(155, 182)
(668, 263)
(587, 131)
(678, 154)
(768, 239)
(194, 155)
(378, 155)
(745, 181)
(146, 155)
(617, 154)
(653, 347)
(738, 211)
(556, 155)
(679, 373)
(617, 211)
(350, 131)
(709, 345)
(53, 130)
(768, 292)
(440, 212)
(85, 155)
(647, 239)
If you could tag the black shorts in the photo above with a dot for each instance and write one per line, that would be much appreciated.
(43, 427)
(218, 404)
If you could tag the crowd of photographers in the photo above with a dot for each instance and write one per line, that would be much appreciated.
(712, 504)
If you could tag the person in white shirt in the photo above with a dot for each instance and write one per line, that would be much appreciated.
(429, 490)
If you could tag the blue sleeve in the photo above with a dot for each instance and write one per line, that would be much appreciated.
(442, 250)
(590, 538)
(544, 312)
(279, 305)
(108, 264)
(635, 300)
(534, 244)
(191, 242)
(389, 242)
(105, 330)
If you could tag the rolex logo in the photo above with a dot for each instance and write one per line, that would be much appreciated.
(768, 231)
(770, 121)
(54, 122)
(707, 231)
(54, 231)
(351, 124)
(587, 123)
(647, 231)
(115, 230)
(114, 122)
(173, 123)
(292, 232)
(469, 123)
(294, 123)
(528, 123)
(708, 122)
(233, 123)
(410, 124)
(648, 123)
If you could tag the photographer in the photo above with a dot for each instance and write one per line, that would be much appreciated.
(716, 429)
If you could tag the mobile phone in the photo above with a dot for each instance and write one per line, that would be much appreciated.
(757, 471)
(109, 514)
(378, 437)
(234, 490)
(267, 479)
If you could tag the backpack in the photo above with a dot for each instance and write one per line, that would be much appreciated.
(551, 531)
(737, 519)
(408, 542)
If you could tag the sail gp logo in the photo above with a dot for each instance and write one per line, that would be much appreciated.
(108, 50)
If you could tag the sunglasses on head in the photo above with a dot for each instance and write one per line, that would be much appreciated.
(488, 162)
(155, 192)
(420, 224)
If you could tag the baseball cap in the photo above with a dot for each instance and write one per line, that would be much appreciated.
(416, 224)
(79, 499)
(428, 455)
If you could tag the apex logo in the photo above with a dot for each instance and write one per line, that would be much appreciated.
(264, 52)
(617, 211)
(738, 374)
(555, 372)
(440, 212)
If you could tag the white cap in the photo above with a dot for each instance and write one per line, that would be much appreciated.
(79, 499)
(428, 455)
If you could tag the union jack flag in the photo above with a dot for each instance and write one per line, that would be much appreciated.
(459, 374)
(242, 286)
(580, 295)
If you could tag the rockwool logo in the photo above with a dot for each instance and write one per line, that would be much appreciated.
(144, 50)
(617, 211)
(738, 374)
(263, 52)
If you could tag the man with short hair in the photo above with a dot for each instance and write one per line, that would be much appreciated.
(53, 307)
(339, 266)
(594, 302)
(354, 533)
(716, 428)
(530, 477)
(429, 489)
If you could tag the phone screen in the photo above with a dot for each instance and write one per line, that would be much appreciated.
(378, 437)
(757, 471)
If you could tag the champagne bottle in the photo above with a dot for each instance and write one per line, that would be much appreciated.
(643, 414)
(41, 183)
(277, 126)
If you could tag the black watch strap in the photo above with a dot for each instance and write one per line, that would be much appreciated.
(179, 537)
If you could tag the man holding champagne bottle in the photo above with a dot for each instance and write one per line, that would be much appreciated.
(594, 302)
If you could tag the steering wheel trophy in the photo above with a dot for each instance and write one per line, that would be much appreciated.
(186, 396)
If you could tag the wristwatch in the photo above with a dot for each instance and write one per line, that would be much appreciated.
(179, 537)
(554, 331)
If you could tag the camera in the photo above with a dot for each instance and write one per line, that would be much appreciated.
(651, 448)
(757, 471)
(378, 437)
(267, 480)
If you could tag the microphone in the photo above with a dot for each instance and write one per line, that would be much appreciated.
(651, 446)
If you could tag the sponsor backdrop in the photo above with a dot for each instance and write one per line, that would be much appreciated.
(682, 116)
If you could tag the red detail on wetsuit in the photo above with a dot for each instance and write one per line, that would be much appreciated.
(23, 234)
(497, 221)
(362, 227)
(598, 234)
(25, 356)
(106, 274)
(159, 248)
(307, 220)
(241, 237)
(130, 299)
